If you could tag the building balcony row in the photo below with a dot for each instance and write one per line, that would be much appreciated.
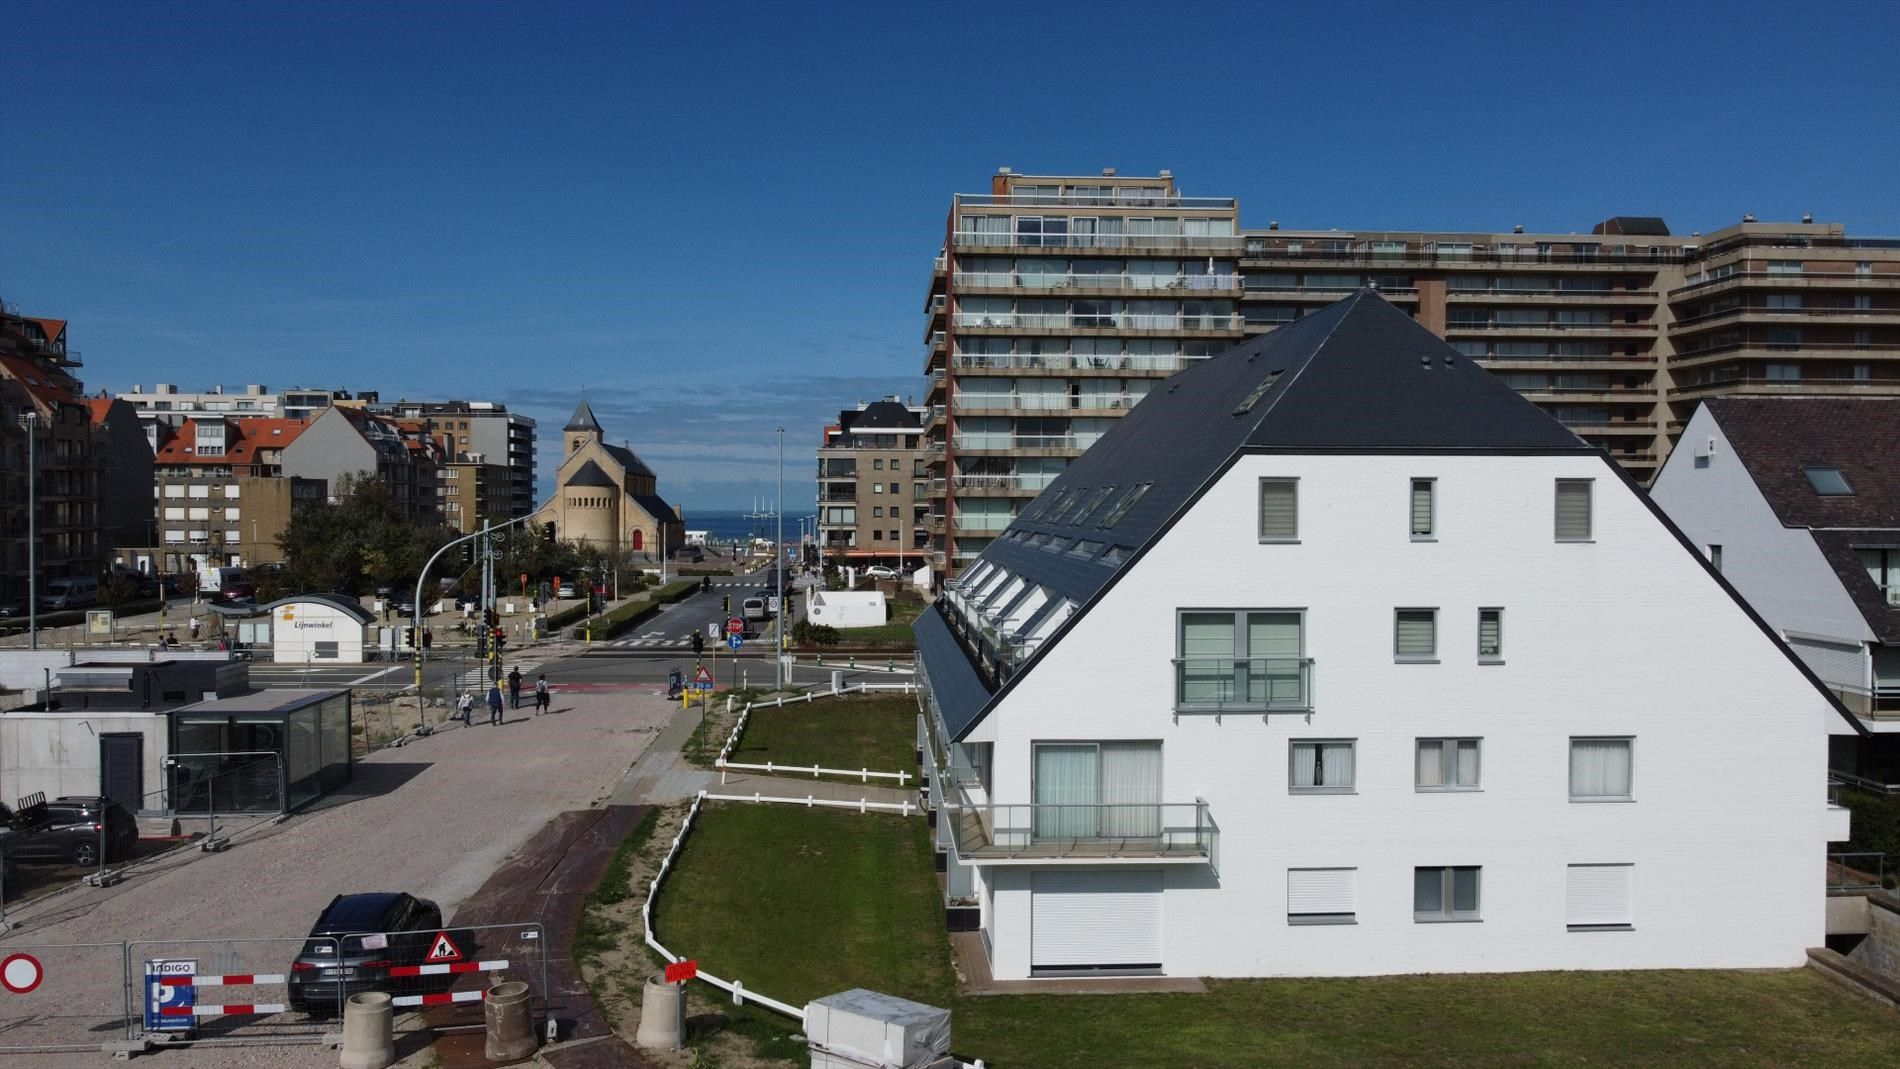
(1518, 297)
(1022, 281)
(1063, 363)
(1106, 323)
(1780, 352)
(1004, 404)
(1567, 330)
(1105, 244)
(1851, 281)
(1757, 386)
(1787, 317)
(1369, 255)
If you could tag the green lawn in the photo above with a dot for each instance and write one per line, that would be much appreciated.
(895, 632)
(874, 731)
(801, 903)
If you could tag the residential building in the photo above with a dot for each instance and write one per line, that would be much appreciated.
(1796, 501)
(125, 481)
(167, 404)
(483, 433)
(606, 497)
(346, 440)
(41, 397)
(1043, 323)
(873, 487)
(1407, 678)
(221, 494)
(473, 491)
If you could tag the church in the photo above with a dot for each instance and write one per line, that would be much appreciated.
(605, 496)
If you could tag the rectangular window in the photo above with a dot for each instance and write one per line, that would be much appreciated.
(1415, 635)
(877, 488)
(1490, 636)
(877, 512)
(1422, 528)
(1252, 660)
(1600, 769)
(1447, 765)
(1279, 510)
(1445, 894)
(1322, 896)
(1088, 790)
(1320, 766)
(1599, 898)
(1573, 510)
(1715, 556)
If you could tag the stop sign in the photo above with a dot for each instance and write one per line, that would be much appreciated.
(735, 626)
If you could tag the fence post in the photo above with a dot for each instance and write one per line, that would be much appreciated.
(738, 993)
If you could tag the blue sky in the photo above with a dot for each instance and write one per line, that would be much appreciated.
(719, 218)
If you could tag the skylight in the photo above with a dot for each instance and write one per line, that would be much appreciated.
(1258, 392)
(1127, 502)
(1828, 482)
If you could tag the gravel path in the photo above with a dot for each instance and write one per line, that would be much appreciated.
(434, 817)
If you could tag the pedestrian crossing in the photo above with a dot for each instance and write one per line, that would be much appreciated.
(651, 642)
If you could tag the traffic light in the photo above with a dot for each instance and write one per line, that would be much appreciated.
(728, 608)
(468, 554)
(500, 640)
(547, 532)
(409, 637)
(699, 643)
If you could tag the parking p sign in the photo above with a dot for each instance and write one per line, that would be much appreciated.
(163, 990)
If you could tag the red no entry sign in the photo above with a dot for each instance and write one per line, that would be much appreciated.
(21, 973)
(681, 971)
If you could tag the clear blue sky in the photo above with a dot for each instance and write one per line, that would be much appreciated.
(719, 217)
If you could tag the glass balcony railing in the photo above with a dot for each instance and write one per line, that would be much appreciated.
(1243, 684)
(1097, 831)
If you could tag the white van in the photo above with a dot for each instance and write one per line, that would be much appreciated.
(78, 592)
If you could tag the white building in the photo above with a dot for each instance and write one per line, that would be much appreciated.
(317, 629)
(1338, 657)
(1796, 501)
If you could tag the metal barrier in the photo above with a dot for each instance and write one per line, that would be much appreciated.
(446, 971)
(261, 991)
(62, 997)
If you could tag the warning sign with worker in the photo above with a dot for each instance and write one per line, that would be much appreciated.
(443, 949)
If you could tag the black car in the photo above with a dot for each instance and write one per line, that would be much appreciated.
(71, 833)
(356, 941)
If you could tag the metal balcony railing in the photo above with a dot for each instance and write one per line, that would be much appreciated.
(1244, 684)
(1856, 873)
(1031, 280)
(1104, 831)
(1068, 362)
(1106, 196)
(1096, 321)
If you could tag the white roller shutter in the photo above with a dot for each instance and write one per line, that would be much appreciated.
(1835, 662)
(1599, 895)
(1331, 894)
(1095, 919)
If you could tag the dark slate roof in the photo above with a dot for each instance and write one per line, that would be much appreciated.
(1649, 226)
(655, 507)
(1777, 437)
(582, 419)
(879, 415)
(590, 474)
(959, 691)
(1357, 376)
(627, 459)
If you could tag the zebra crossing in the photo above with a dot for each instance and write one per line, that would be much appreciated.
(652, 641)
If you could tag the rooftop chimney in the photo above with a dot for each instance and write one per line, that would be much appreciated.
(1165, 173)
(1003, 170)
(1807, 217)
(1518, 229)
(1747, 218)
(1108, 172)
(1273, 224)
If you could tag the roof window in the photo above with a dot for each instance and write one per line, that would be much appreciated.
(1127, 502)
(1259, 391)
(1828, 482)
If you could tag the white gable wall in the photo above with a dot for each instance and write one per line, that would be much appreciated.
(1626, 635)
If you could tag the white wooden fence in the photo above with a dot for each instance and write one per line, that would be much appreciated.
(865, 775)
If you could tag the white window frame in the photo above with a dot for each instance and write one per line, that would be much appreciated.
(1496, 657)
(1430, 485)
(1448, 765)
(1260, 496)
(1347, 896)
(1589, 510)
(1352, 748)
(1629, 742)
(1414, 658)
(1449, 914)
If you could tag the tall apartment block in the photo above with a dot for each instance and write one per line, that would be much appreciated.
(874, 487)
(42, 403)
(480, 436)
(1057, 302)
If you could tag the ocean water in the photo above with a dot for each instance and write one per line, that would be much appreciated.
(731, 526)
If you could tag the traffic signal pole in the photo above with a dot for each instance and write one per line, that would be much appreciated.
(421, 653)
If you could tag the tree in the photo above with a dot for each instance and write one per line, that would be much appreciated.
(361, 539)
(117, 590)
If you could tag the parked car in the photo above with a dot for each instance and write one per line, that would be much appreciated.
(566, 591)
(237, 590)
(879, 571)
(756, 607)
(354, 943)
(13, 608)
(71, 833)
(72, 592)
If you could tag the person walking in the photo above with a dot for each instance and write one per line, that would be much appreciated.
(542, 699)
(465, 708)
(494, 703)
(514, 687)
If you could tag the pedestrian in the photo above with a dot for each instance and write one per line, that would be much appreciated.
(494, 704)
(465, 707)
(428, 638)
(514, 687)
(195, 626)
(542, 699)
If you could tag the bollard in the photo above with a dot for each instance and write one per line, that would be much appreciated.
(662, 1015)
(510, 1020)
(369, 1042)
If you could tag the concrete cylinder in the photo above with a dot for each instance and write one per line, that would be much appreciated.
(510, 1019)
(662, 1015)
(369, 1032)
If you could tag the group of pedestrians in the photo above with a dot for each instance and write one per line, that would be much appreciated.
(543, 699)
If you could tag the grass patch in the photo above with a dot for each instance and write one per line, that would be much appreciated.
(596, 934)
(851, 901)
(874, 731)
(895, 632)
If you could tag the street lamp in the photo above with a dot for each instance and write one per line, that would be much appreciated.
(778, 563)
(30, 423)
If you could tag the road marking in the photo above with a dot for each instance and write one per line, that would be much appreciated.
(374, 675)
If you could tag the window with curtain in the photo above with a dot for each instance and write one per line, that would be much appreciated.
(1274, 646)
(1252, 659)
(1320, 766)
(1088, 790)
(1279, 510)
(1600, 769)
(1447, 765)
(1322, 896)
(1422, 512)
(1445, 894)
(1573, 510)
(1491, 635)
(1415, 635)
(1207, 653)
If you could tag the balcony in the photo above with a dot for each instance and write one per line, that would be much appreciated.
(1842, 280)
(968, 403)
(1243, 685)
(1002, 485)
(1018, 443)
(1554, 329)
(1062, 363)
(1369, 255)
(1121, 322)
(1493, 295)
(1088, 282)
(1107, 195)
(1784, 352)
(1760, 387)
(1202, 244)
(1148, 832)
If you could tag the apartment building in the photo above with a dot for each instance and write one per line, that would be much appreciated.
(221, 495)
(42, 400)
(1056, 304)
(874, 487)
(472, 490)
(166, 403)
(485, 434)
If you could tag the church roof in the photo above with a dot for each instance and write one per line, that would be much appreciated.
(589, 474)
(582, 419)
(628, 460)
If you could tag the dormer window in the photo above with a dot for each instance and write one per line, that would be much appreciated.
(1828, 482)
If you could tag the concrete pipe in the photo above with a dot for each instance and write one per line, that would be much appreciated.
(369, 1032)
(662, 1015)
(510, 1018)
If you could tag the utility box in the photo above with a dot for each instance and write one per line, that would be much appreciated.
(860, 1028)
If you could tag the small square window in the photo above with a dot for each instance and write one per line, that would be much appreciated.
(1279, 510)
(1599, 898)
(1573, 510)
(1445, 894)
(1491, 636)
(1322, 896)
(1422, 510)
(877, 464)
(1320, 766)
(1447, 765)
(1600, 769)
(1828, 482)
(1415, 635)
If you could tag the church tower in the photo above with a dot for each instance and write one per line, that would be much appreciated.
(582, 428)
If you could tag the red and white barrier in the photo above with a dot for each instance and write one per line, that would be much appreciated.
(438, 1000)
(230, 1009)
(455, 967)
(227, 980)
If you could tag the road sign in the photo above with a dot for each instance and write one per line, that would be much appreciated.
(682, 971)
(99, 622)
(735, 626)
(21, 973)
(733, 642)
(169, 986)
(443, 949)
(702, 676)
